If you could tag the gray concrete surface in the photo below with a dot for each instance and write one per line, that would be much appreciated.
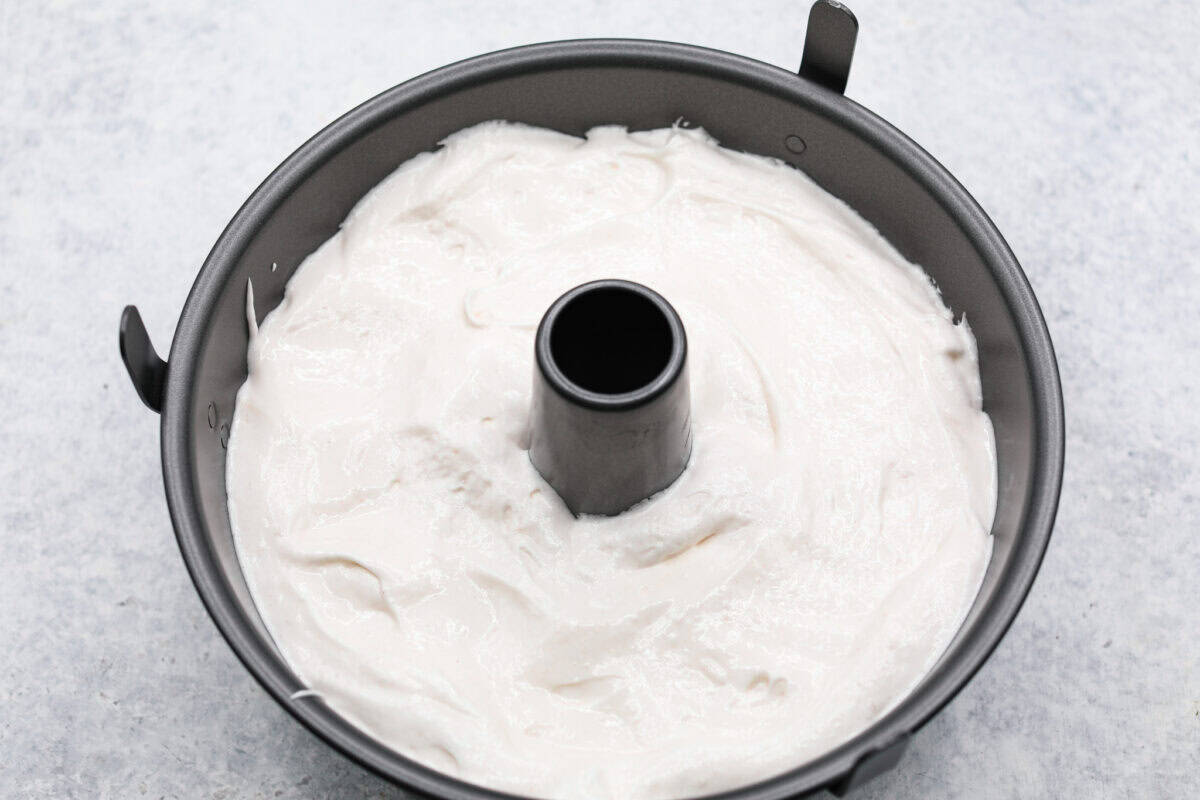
(130, 133)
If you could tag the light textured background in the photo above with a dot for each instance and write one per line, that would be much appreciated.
(131, 132)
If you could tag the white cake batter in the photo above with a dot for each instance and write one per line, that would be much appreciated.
(799, 578)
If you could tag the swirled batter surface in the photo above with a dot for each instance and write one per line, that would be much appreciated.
(800, 577)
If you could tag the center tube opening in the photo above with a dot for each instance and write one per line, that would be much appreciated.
(611, 339)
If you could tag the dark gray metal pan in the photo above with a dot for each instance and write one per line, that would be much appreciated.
(572, 86)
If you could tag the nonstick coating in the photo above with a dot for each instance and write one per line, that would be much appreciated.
(572, 86)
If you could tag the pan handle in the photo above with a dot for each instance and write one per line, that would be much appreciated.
(871, 765)
(147, 371)
(829, 45)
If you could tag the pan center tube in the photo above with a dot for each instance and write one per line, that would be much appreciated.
(611, 410)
